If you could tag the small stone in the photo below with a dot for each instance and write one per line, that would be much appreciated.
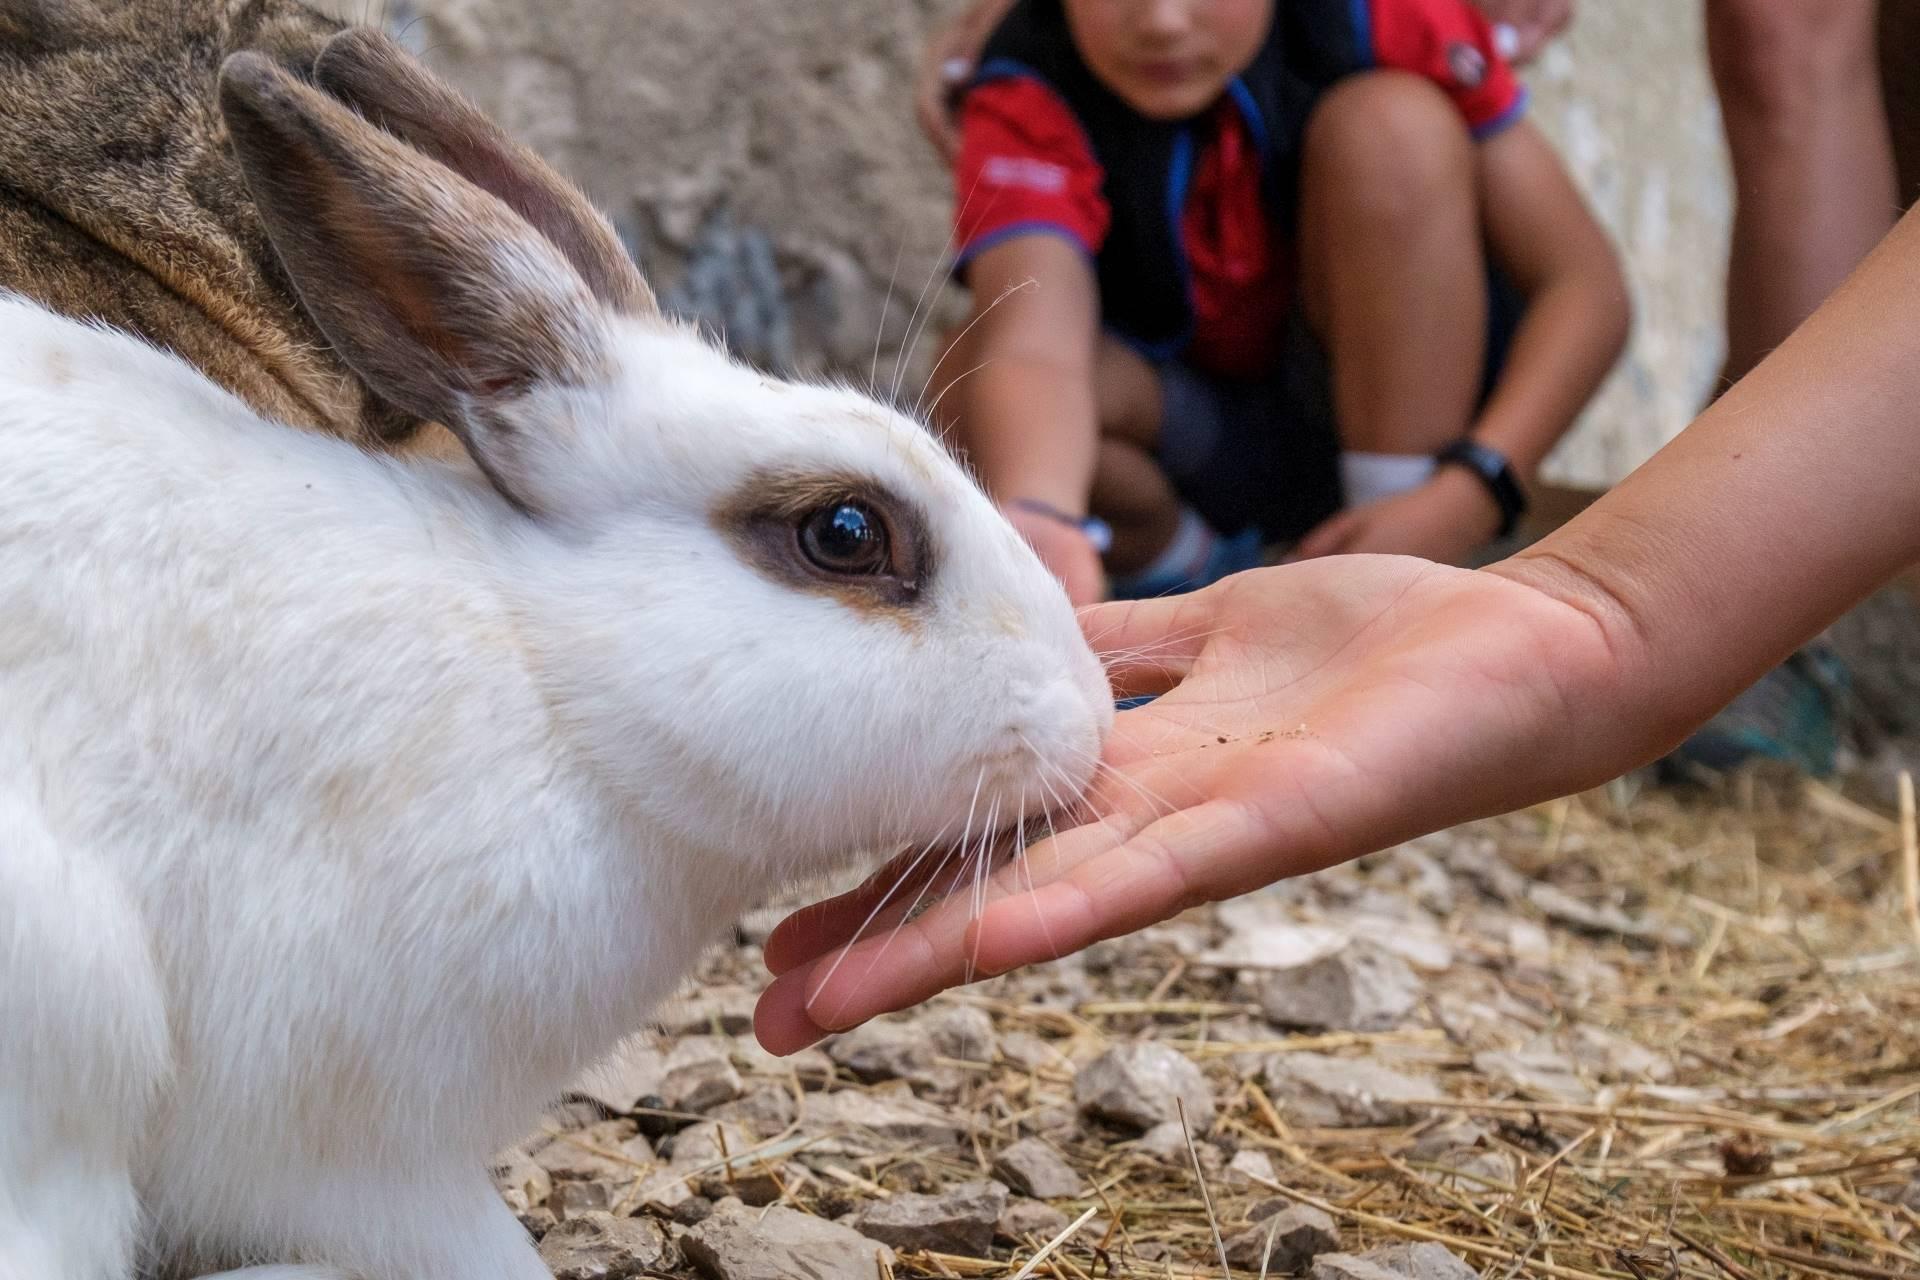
(599, 1247)
(1358, 988)
(1540, 1070)
(871, 1121)
(1298, 1234)
(1344, 1092)
(1348, 1266)
(574, 1199)
(1136, 1085)
(738, 1243)
(1164, 1141)
(883, 1051)
(960, 1032)
(700, 1075)
(763, 1112)
(1423, 1261)
(1024, 1219)
(522, 1183)
(1033, 1167)
(692, 1210)
(537, 1221)
(610, 1151)
(960, 1221)
(1250, 1168)
(1031, 1053)
(724, 1011)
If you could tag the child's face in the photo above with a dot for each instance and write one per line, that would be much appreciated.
(1168, 59)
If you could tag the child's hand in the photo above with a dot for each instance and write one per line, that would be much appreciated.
(1317, 712)
(1064, 550)
(1446, 519)
(1533, 23)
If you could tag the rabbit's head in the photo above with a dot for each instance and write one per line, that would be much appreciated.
(776, 619)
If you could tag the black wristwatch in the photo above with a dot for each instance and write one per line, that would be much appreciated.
(1495, 472)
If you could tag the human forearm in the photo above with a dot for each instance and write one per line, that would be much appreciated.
(1572, 333)
(1787, 501)
(1031, 430)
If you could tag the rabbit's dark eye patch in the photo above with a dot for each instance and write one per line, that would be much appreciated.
(842, 535)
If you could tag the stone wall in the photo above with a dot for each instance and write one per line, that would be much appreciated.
(762, 157)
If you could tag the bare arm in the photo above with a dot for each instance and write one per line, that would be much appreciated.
(1019, 393)
(1370, 699)
(954, 45)
(1543, 238)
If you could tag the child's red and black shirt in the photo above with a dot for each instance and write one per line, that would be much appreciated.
(1028, 165)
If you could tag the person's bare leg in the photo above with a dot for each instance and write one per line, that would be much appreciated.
(1393, 269)
(1799, 86)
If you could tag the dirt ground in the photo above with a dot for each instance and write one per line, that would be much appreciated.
(1639, 1033)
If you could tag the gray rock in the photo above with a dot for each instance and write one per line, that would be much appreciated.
(1030, 1219)
(870, 1121)
(700, 1075)
(959, 1221)
(1165, 1141)
(1033, 1167)
(1031, 1053)
(960, 1032)
(1340, 1092)
(1422, 1261)
(1540, 1070)
(762, 1112)
(1284, 1243)
(1348, 1266)
(882, 1051)
(1357, 988)
(1136, 1085)
(577, 1199)
(599, 1247)
(611, 1151)
(726, 1010)
(1250, 1168)
(738, 1243)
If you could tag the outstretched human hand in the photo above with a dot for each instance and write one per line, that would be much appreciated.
(1309, 714)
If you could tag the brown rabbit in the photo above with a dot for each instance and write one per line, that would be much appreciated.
(121, 198)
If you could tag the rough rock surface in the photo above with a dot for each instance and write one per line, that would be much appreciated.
(1285, 1243)
(1339, 1091)
(1137, 1085)
(738, 1243)
(960, 1221)
(1357, 988)
(1033, 1167)
(599, 1247)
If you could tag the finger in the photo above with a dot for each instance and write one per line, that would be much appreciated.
(1149, 646)
(877, 902)
(934, 951)
(780, 1021)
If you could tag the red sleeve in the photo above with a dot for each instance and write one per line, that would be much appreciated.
(1450, 43)
(1024, 166)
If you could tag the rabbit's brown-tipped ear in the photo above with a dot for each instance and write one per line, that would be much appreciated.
(445, 301)
(379, 79)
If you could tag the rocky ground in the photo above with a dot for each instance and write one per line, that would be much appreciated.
(1637, 1034)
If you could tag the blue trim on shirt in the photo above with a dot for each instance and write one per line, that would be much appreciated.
(1361, 14)
(1005, 69)
(1481, 132)
(1179, 180)
(1250, 112)
(1031, 227)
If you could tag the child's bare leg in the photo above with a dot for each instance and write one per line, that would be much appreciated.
(1799, 87)
(1393, 272)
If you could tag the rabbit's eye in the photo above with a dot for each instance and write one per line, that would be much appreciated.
(846, 538)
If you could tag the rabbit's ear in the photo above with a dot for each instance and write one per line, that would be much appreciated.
(380, 80)
(438, 295)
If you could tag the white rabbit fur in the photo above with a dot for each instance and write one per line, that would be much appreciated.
(348, 808)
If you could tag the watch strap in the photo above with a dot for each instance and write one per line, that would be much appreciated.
(1495, 472)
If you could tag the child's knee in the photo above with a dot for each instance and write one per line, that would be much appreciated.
(1385, 145)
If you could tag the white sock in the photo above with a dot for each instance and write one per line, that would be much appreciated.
(1369, 477)
(1186, 551)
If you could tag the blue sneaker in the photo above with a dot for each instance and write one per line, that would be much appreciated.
(1793, 714)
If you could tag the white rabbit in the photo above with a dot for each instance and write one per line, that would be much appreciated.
(350, 807)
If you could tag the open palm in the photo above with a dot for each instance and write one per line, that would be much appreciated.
(1309, 714)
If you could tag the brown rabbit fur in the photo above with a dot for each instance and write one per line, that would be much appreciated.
(121, 199)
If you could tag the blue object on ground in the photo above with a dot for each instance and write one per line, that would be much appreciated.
(1229, 556)
(1792, 714)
